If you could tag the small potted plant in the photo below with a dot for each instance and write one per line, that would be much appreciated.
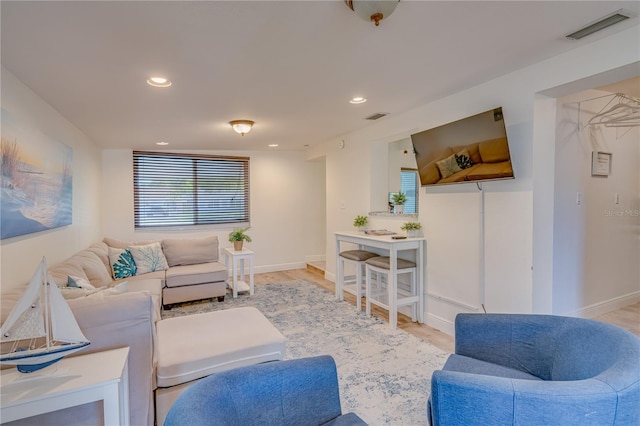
(412, 228)
(360, 222)
(238, 236)
(398, 200)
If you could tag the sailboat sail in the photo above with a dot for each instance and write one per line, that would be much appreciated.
(40, 313)
(63, 323)
(26, 320)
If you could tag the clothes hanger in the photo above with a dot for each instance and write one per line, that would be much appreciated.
(623, 114)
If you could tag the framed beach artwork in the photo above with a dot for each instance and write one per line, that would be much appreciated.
(37, 180)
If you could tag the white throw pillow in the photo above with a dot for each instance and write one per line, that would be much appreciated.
(79, 282)
(149, 258)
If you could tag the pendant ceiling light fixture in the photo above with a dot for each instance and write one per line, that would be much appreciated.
(241, 126)
(372, 10)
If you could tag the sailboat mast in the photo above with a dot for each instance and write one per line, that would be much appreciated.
(47, 324)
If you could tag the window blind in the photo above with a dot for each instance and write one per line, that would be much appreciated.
(409, 185)
(182, 189)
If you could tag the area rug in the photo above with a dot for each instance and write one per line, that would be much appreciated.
(384, 374)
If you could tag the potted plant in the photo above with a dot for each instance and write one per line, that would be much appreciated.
(398, 200)
(411, 228)
(360, 222)
(238, 236)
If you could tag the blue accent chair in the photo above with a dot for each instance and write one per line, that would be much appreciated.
(518, 369)
(294, 392)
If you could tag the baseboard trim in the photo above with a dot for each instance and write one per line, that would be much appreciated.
(601, 308)
(279, 267)
(439, 323)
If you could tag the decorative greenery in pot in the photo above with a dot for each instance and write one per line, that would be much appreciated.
(398, 200)
(411, 228)
(238, 236)
(360, 222)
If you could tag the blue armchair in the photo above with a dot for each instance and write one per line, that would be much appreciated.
(294, 392)
(516, 369)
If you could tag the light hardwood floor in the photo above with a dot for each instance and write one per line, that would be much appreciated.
(627, 317)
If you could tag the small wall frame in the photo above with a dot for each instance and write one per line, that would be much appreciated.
(600, 164)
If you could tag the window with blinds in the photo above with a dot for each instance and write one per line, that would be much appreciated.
(409, 185)
(183, 189)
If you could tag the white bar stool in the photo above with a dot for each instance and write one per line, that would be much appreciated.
(395, 296)
(353, 284)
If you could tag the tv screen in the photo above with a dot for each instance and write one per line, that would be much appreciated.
(472, 149)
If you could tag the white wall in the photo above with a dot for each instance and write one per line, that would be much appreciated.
(464, 264)
(597, 242)
(20, 255)
(287, 202)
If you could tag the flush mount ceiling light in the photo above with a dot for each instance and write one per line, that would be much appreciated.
(241, 126)
(600, 24)
(358, 100)
(372, 10)
(158, 81)
(162, 143)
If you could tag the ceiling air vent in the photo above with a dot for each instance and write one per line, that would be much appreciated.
(377, 115)
(600, 24)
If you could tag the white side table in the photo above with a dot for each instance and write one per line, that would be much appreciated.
(231, 259)
(73, 381)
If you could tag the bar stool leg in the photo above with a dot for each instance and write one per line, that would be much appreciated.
(359, 267)
(340, 279)
(414, 292)
(392, 289)
(368, 291)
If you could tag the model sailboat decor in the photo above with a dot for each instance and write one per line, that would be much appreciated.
(41, 329)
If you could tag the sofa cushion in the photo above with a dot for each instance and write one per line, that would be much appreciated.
(92, 266)
(62, 271)
(115, 243)
(159, 275)
(178, 276)
(102, 251)
(494, 150)
(148, 258)
(190, 251)
(491, 171)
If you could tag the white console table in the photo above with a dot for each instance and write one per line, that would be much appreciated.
(231, 259)
(68, 383)
(392, 247)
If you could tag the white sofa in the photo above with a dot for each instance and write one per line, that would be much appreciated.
(116, 315)
(189, 269)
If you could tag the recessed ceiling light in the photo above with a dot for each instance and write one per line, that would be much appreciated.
(162, 143)
(158, 82)
(358, 100)
(273, 145)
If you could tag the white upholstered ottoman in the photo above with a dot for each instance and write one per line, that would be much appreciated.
(195, 346)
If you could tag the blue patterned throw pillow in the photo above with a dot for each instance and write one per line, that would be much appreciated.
(122, 263)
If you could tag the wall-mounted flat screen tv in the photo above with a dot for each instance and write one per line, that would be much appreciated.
(473, 149)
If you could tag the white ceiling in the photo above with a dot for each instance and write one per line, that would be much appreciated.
(291, 66)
